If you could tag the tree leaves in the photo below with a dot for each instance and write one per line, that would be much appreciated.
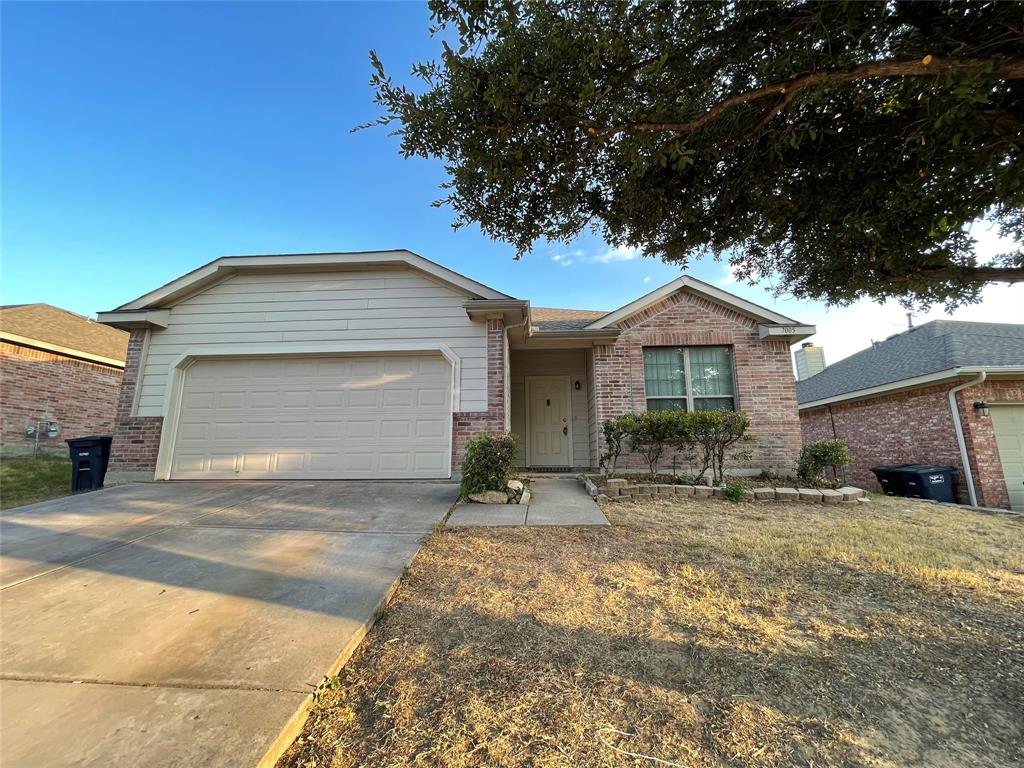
(837, 148)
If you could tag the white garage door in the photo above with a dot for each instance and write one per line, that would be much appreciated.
(315, 417)
(1008, 423)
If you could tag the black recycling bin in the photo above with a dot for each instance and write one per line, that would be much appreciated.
(890, 479)
(929, 481)
(89, 458)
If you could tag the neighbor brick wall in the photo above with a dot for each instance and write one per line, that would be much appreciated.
(136, 438)
(765, 386)
(36, 385)
(466, 424)
(916, 427)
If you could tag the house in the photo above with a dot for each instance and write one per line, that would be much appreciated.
(384, 364)
(946, 392)
(60, 375)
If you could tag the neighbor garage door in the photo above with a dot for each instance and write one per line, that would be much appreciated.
(1008, 423)
(315, 417)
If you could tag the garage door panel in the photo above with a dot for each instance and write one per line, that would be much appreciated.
(331, 417)
(1008, 425)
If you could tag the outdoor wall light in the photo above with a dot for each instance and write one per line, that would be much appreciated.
(577, 386)
(982, 407)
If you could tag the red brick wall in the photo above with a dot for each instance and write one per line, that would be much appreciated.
(136, 438)
(764, 373)
(466, 424)
(41, 386)
(916, 427)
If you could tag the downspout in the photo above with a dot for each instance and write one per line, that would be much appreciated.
(958, 428)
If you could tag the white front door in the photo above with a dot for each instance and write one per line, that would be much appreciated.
(1008, 423)
(549, 421)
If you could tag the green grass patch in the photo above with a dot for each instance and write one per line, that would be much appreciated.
(24, 480)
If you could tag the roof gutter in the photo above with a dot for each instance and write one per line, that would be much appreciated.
(958, 428)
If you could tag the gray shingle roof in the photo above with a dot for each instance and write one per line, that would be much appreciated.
(935, 346)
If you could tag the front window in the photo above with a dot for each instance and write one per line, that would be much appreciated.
(689, 378)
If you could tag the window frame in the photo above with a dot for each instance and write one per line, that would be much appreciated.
(688, 396)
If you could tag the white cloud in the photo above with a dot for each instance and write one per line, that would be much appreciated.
(647, 279)
(563, 259)
(729, 277)
(618, 253)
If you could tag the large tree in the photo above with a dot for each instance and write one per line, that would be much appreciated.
(837, 149)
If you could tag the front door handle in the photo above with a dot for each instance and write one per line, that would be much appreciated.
(565, 431)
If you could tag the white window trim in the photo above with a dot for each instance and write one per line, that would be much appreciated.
(689, 397)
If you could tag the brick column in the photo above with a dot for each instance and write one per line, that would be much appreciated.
(466, 424)
(136, 438)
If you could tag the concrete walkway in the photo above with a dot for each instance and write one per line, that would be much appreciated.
(185, 623)
(554, 501)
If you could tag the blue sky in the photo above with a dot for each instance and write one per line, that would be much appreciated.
(141, 140)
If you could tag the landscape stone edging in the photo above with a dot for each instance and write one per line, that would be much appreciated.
(619, 489)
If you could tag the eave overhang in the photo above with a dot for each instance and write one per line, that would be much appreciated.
(127, 319)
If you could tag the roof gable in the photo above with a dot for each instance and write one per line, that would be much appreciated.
(224, 267)
(686, 282)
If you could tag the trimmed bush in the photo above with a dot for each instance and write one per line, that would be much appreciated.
(713, 433)
(816, 456)
(616, 431)
(489, 464)
(652, 431)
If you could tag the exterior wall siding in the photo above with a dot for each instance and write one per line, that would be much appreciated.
(380, 305)
(553, 362)
(36, 385)
(765, 386)
(916, 427)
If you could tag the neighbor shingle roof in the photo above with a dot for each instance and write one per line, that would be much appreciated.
(936, 346)
(552, 319)
(53, 325)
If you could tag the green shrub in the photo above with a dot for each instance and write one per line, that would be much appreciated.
(713, 433)
(652, 431)
(735, 489)
(489, 464)
(615, 433)
(816, 456)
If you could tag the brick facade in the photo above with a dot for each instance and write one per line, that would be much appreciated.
(36, 385)
(466, 424)
(765, 386)
(916, 427)
(136, 438)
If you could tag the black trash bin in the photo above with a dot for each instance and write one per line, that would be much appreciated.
(929, 481)
(89, 458)
(890, 478)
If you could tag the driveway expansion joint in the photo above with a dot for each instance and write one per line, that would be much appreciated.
(169, 686)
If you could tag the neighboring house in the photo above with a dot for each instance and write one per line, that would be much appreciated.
(384, 364)
(60, 375)
(892, 403)
(810, 361)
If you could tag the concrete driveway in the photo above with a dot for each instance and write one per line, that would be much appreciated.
(184, 623)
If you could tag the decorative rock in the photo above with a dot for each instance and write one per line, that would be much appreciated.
(764, 493)
(809, 494)
(787, 494)
(703, 491)
(684, 490)
(600, 497)
(664, 488)
(644, 490)
(718, 491)
(831, 497)
(850, 493)
(515, 486)
(489, 497)
(617, 482)
(863, 500)
(525, 498)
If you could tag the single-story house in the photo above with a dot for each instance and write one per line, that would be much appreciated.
(946, 392)
(383, 364)
(60, 376)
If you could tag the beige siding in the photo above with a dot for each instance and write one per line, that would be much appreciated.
(388, 306)
(560, 362)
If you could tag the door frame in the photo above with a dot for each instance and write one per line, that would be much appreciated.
(565, 379)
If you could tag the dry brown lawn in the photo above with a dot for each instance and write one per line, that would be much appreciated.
(707, 633)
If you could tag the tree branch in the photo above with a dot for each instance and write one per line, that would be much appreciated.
(929, 66)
